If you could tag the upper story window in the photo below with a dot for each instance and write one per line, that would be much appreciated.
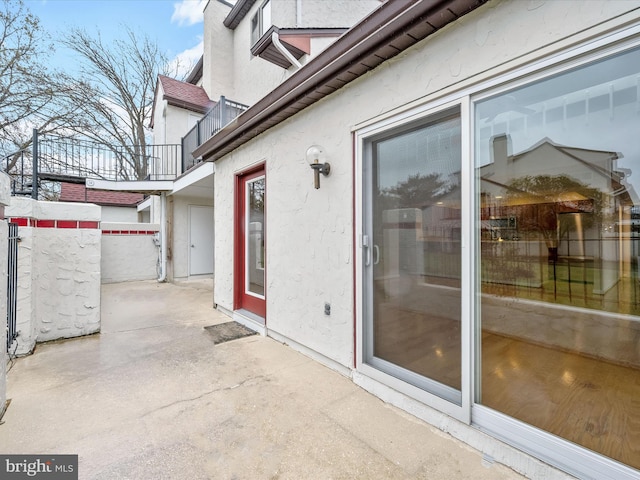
(261, 21)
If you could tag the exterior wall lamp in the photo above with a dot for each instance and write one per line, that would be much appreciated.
(315, 157)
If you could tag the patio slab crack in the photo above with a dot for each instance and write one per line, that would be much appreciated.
(202, 395)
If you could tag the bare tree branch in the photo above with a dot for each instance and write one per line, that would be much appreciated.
(116, 103)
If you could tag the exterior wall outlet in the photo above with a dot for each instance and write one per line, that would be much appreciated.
(327, 309)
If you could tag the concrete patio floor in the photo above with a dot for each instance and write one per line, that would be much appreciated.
(152, 397)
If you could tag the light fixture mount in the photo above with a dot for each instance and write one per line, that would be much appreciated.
(315, 157)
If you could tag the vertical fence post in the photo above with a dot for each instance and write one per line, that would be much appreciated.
(223, 112)
(34, 176)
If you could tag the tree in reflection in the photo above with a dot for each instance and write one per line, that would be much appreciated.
(539, 201)
(417, 191)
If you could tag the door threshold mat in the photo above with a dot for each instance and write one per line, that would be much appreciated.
(225, 332)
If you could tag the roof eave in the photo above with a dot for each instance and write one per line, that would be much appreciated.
(196, 72)
(188, 105)
(390, 29)
(237, 13)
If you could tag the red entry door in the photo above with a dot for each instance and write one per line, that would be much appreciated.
(250, 253)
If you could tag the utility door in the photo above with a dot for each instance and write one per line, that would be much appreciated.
(200, 240)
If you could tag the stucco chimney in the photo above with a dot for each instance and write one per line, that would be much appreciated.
(501, 150)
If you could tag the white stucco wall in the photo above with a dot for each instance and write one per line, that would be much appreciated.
(58, 272)
(26, 325)
(320, 13)
(129, 252)
(178, 123)
(149, 210)
(5, 199)
(253, 76)
(218, 73)
(180, 231)
(159, 120)
(119, 214)
(229, 67)
(310, 232)
(170, 124)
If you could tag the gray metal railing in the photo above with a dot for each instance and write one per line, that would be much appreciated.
(80, 158)
(69, 159)
(18, 166)
(222, 113)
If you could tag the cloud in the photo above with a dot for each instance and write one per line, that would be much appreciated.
(188, 12)
(183, 62)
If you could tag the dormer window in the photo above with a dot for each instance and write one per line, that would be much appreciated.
(261, 21)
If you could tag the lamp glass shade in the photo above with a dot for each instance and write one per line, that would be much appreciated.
(315, 154)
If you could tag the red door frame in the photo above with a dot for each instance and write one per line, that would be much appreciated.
(241, 301)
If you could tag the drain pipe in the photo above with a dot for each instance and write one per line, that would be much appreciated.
(163, 238)
(281, 48)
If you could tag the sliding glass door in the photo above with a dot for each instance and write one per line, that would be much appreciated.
(557, 166)
(412, 254)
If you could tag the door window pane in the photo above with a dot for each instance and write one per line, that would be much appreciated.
(254, 257)
(558, 171)
(415, 254)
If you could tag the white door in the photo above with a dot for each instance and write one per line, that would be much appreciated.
(200, 240)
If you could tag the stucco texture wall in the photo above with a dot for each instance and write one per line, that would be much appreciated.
(322, 13)
(4, 200)
(58, 271)
(253, 76)
(218, 75)
(310, 232)
(129, 252)
(66, 282)
(119, 214)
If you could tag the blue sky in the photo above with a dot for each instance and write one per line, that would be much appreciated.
(176, 25)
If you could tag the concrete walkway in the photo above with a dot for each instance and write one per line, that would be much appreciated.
(152, 397)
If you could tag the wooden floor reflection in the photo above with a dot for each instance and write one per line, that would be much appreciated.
(587, 400)
(591, 402)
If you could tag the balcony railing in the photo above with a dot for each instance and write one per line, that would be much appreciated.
(80, 158)
(64, 159)
(69, 159)
(220, 115)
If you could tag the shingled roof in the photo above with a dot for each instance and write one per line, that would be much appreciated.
(78, 193)
(182, 94)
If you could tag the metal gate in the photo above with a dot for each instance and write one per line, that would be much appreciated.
(12, 284)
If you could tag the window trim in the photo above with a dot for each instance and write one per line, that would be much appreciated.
(258, 18)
